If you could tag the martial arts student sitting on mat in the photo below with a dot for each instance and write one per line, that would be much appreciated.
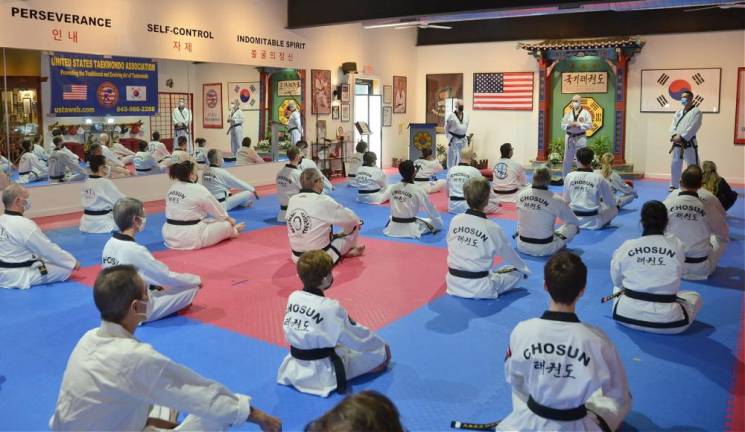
(124, 154)
(27, 256)
(99, 194)
(159, 150)
(145, 162)
(169, 291)
(407, 199)
(288, 182)
(623, 192)
(473, 243)
(311, 217)
(589, 196)
(180, 153)
(537, 210)
(508, 176)
(699, 220)
(646, 276)
(366, 411)
(111, 157)
(200, 152)
(327, 348)
(188, 204)
(220, 181)
(565, 375)
(457, 177)
(356, 161)
(306, 163)
(110, 171)
(427, 168)
(371, 182)
(112, 380)
(30, 167)
(64, 166)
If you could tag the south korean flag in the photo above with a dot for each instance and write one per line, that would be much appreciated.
(662, 89)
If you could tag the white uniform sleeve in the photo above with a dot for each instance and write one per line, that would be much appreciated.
(566, 214)
(616, 273)
(606, 193)
(674, 123)
(44, 248)
(339, 215)
(614, 385)
(71, 164)
(160, 274)
(565, 121)
(716, 218)
(157, 379)
(691, 125)
(504, 249)
(432, 212)
(235, 182)
(382, 180)
(210, 204)
(356, 336)
(112, 193)
(585, 121)
(618, 184)
(514, 376)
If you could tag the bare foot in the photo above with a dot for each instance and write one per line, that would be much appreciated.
(239, 227)
(356, 251)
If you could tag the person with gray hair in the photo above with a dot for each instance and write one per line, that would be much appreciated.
(27, 256)
(537, 210)
(311, 217)
(575, 124)
(220, 181)
(113, 381)
(169, 291)
(235, 120)
(294, 123)
(473, 243)
(307, 163)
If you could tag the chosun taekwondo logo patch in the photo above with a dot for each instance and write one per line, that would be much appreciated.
(299, 221)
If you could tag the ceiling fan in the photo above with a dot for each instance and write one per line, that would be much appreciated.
(422, 25)
(738, 5)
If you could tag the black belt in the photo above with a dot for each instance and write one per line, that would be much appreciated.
(96, 212)
(202, 162)
(507, 192)
(422, 179)
(363, 192)
(403, 220)
(59, 177)
(691, 260)
(143, 170)
(650, 297)
(292, 129)
(351, 175)
(468, 274)
(181, 222)
(585, 213)
(224, 198)
(456, 135)
(455, 198)
(571, 414)
(21, 264)
(576, 135)
(546, 240)
(320, 354)
(655, 298)
(24, 173)
(281, 207)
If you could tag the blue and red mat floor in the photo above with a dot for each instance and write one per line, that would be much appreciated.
(447, 352)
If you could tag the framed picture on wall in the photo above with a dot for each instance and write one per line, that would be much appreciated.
(399, 94)
(335, 112)
(212, 106)
(346, 113)
(440, 88)
(246, 93)
(662, 88)
(387, 115)
(320, 90)
(387, 94)
(345, 92)
(740, 107)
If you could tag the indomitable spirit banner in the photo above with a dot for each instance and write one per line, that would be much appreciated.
(89, 85)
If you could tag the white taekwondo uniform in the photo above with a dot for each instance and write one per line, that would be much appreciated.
(310, 222)
(178, 289)
(327, 347)
(236, 130)
(590, 198)
(508, 178)
(406, 201)
(200, 156)
(31, 169)
(41, 153)
(565, 376)
(70, 152)
(288, 184)
(123, 153)
(473, 243)
(456, 130)
(353, 164)
(158, 150)
(306, 163)
(575, 136)
(698, 219)
(686, 124)
(372, 185)
(99, 195)
(24, 249)
(624, 193)
(145, 164)
(426, 170)
(64, 168)
(187, 206)
(4, 165)
(295, 127)
(112, 380)
(179, 156)
(111, 157)
(457, 178)
(182, 116)
(220, 181)
(537, 210)
(648, 270)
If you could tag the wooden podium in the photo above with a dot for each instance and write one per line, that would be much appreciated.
(422, 135)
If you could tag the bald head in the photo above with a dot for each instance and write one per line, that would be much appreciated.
(466, 155)
(103, 139)
(15, 198)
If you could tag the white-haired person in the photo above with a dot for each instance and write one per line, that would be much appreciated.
(221, 183)
(458, 175)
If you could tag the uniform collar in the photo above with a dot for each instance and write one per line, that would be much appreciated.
(111, 329)
(540, 187)
(94, 176)
(123, 237)
(688, 193)
(463, 164)
(314, 291)
(584, 169)
(13, 213)
(560, 316)
(476, 213)
(291, 166)
(652, 232)
(308, 191)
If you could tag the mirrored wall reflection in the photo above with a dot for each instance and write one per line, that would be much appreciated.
(59, 108)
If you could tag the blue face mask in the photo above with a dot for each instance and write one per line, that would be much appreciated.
(684, 101)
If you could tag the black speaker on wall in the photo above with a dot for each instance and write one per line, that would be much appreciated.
(348, 67)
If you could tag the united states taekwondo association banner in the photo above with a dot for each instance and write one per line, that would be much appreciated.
(89, 85)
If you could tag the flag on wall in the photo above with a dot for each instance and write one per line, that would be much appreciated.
(503, 91)
(136, 93)
(75, 92)
(662, 89)
(246, 93)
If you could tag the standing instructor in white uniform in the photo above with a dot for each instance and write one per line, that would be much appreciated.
(236, 127)
(294, 123)
(181, 118)
(456, 129)
(575, 123)
(683, 129)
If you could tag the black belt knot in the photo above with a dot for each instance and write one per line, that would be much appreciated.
(320, 354)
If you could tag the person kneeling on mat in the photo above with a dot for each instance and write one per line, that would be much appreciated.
(169, 291)
(589, 196)
(327, 348)
(537, 210)
(311, 217)
(370, 181)
(565, 375)
(473, 243)
(220, 181)
(112, 380)
(646, 275)
(406, 201)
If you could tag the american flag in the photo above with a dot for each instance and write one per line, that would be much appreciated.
(75, 92)
(503, 91)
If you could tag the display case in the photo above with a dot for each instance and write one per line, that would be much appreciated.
(330, 156)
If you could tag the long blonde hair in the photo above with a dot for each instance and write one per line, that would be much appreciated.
(607, 165)
(710, 180)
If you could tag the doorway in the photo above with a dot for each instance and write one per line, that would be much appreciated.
(368, 108)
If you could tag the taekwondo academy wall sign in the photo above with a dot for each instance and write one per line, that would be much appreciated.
(584, 82)
(661, 89)
(289, 88)
(595, 110)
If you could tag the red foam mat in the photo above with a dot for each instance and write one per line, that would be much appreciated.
(736, 408)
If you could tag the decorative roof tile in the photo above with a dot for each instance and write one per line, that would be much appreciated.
(579, 44)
